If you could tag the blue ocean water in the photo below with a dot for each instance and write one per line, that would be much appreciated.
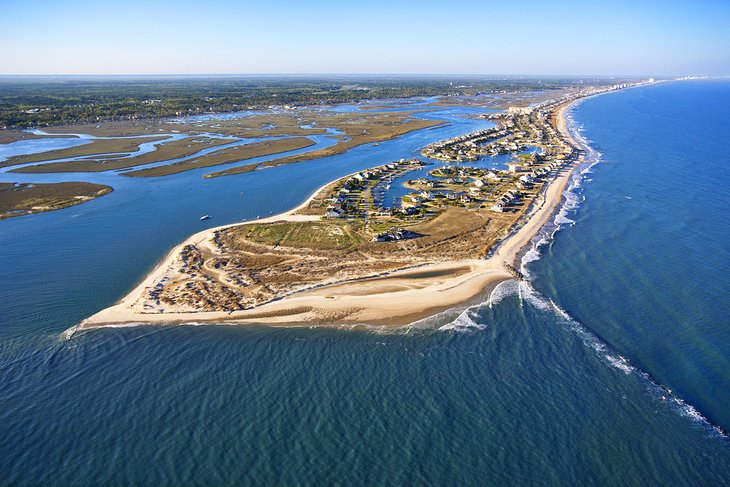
(554, 381)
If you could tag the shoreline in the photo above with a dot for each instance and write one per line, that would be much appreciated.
(391, 299)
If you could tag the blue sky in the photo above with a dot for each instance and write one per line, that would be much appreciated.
(369, 36)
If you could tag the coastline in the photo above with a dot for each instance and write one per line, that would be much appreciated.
(394, 299)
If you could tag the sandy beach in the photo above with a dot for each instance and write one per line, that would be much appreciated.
(397, 298)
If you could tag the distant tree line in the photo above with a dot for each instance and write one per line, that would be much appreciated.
(42, 101)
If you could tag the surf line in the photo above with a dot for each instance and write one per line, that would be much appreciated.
(529, 294)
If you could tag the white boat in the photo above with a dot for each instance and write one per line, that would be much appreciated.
(205, 217)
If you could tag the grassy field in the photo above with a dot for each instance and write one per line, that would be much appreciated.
(23, 199)
(311, 235)
(95, 147)
(452, 233)
(225, 156)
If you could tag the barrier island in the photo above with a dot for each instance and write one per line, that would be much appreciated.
(346, 257)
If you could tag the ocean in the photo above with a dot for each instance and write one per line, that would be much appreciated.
(609, 365)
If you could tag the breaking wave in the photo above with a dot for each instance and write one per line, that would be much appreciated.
(501, 291)
(464, 322)
(529, 294)
(572, 198)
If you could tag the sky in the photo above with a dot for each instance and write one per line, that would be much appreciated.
(609, 37)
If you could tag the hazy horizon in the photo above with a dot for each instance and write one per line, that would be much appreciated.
(464, 76)
(225, 37)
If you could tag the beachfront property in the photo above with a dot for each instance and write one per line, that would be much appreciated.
(455, 185)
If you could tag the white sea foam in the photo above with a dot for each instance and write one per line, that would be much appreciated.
(572, 199)
(529, 295)
(561, 219)
(68, 334)
(464, 322)
(531, 255)
(501, 291)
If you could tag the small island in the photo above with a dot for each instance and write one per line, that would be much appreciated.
(17, 199)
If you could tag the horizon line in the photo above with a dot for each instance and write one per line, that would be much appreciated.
(18, 75)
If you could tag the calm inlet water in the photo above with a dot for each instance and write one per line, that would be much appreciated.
(558, 380)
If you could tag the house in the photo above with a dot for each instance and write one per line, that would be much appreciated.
(498, 207)
(394, 234)
(333, 213)
(513, 167)
(479, 183)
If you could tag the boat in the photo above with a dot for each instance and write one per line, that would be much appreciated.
(205, 217)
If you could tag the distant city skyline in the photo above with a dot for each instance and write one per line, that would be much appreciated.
(650, 38)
